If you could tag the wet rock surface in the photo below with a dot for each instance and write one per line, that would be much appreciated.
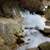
(44, 46)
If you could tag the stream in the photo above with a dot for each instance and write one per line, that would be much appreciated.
(33, 37)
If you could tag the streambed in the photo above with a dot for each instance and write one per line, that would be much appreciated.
(33, 37)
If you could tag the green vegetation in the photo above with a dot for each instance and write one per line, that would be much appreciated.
(48, 13)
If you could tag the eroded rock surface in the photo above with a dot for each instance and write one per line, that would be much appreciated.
(8, 27)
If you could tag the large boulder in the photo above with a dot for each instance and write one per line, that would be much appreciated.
(44, 46)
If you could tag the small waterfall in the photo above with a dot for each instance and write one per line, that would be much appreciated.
(33, 37)
(33, 20)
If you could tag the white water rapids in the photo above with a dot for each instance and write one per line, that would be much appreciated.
(34, 36)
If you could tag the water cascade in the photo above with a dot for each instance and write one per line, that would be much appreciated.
(33, 37)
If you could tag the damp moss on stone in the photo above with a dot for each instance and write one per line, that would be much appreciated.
(44, 46)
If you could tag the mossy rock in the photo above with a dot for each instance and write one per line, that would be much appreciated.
(44, 46)
(47, 14)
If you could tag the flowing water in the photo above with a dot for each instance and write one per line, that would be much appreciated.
(33, 37)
